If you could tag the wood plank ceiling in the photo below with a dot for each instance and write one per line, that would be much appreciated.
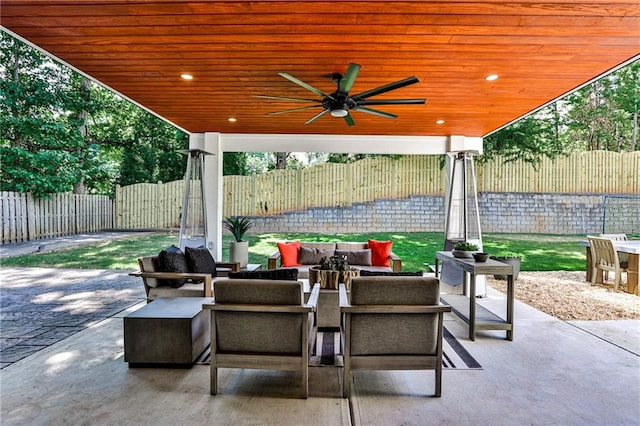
(540, 50)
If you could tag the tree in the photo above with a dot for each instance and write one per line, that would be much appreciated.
(234, 163)
(38, 140)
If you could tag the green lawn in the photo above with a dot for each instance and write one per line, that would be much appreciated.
(417, 250)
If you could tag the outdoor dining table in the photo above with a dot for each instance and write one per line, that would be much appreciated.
(632, 248)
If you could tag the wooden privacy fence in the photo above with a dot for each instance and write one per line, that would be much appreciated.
(329, 185)
(25, 217)
(158, 206)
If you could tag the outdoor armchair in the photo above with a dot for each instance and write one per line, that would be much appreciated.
(262, 324)
(197, 285)
(392, 323)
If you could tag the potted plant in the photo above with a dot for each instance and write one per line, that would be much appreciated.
(464, 249)
(239, 248)
(511, 258)
(332, 271)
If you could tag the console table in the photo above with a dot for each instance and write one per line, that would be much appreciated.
(478, 317)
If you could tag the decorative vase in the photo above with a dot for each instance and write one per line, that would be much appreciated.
(330, 279)
(462, 254)
(239, 252)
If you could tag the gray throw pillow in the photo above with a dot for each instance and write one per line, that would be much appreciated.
(365, 273)
(272, 274)
(312, 256)
(200, 261)
(172, 259)
(356, 257)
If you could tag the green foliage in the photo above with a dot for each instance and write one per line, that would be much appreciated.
(234, 163)
(465, 246)
(417, 250)
(238, 226)
(334, 263)
(62, 133)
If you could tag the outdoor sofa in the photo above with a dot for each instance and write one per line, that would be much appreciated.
(361, 255)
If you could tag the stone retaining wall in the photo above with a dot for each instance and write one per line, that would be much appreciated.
(500, 212)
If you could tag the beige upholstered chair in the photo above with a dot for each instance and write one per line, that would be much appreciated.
(605, 258)
(392, 323)
(262, 324)
(200, 285)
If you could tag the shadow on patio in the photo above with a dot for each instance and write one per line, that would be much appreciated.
(553, 372)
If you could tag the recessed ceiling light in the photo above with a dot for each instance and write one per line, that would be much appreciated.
(232, 119)
(186, 76)
(491, 77)
(439, 121)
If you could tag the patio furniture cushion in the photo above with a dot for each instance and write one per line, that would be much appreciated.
(356, 257)
(172, 259)
(200, 261)
(366, 273)
(289, 253)
(312, 256)
(272, 274)
(259, 332)
(380, 251)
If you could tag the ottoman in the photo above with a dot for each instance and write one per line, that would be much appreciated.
(170, 331)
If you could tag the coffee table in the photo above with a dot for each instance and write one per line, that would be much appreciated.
(328, 311)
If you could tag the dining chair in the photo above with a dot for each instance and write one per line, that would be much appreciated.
(605, 258)
(624, 257)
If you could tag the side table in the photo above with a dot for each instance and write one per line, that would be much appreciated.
(465, 307)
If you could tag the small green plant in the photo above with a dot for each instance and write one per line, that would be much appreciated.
(238, 226)
(508, 255)
(334, 263)
(465, 246)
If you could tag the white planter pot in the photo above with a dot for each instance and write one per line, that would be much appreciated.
(239, 252)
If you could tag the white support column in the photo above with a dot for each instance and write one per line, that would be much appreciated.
(212, 181)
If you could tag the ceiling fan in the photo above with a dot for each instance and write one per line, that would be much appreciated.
(339, 103)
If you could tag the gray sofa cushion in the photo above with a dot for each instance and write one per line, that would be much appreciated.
(409, 291)
(172, 259)
(258, 292)
(403, 333)
(356, 257)
(312, 255)
(366, 273)
(268, 332)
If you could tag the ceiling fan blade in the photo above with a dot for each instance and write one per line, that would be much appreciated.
(284, 98)
(315, 117)
(349, 78)
(305, 85)
(375, 112)
(292, 110)
(386, 88)
(393, 102)
(349, 120)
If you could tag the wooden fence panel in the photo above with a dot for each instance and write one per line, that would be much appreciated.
(26, 218)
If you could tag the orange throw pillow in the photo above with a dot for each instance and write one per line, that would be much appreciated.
(289, 253)
(380, 251)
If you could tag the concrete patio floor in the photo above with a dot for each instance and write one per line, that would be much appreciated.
(554, 372)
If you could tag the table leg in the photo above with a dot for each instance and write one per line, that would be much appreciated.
(510, 297)
(472, 307)
(589, 264)
(632, 273)
(437, 268)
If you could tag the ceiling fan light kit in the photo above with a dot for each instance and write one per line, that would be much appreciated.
(340, 103)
